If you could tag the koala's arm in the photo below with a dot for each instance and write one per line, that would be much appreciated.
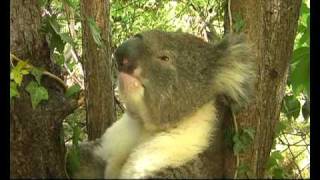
(117, 142)
(90, 166)
(174, 147)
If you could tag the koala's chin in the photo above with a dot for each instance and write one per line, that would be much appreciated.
(131, 89)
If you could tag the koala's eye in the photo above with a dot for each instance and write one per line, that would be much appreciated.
(164, 58)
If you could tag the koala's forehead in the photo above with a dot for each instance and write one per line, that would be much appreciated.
(171, 40)
(156, 39)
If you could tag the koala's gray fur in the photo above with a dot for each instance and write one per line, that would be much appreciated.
(175, 79)
(91, 165)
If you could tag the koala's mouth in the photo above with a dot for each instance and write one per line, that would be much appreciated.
(129, 83)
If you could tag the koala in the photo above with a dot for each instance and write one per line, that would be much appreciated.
(169, 83)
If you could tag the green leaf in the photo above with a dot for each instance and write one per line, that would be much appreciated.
(58, 58)
(278, 173)
(76, 135)
(238, 145)
(243, 168)
(72, 90)
(277, 155)
(37, 93)
(300, 54)
(280, 126)
(301, 28)
(73, 159)
(250, 132)
(42, 2)
(19, 71)
(57, 42)
(300, 75)
(56, 39)
(72, 3)
(291, 106)
(306, 110)
(37, 73)
(95, 31)
(13, 90)
(304, 9)
(71, 64)
(305, 38)
(274, 160)
(242, 140)
(66, 38)
(24, 72)
(239, 23)
(54, 24)
(16, 76)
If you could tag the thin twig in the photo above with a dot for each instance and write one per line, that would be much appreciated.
(230, 15)
(71, 74)
(304, 140)
(119, 104)
(237, 131)
(288, 144)
(11, 63)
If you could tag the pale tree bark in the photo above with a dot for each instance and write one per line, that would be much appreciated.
(97, 68)
(271, 26)
(36, 135)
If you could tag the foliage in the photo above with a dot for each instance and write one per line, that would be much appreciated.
(242, 140)
(36, 91)
(74, 128)
(18, 71)
(95, 31)
(14, 90)
(299, 77)
(198, 17)
(62, 26)
(73, 159)
(239, 23)
(71, 91)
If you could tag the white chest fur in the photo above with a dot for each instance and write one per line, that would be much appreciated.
(132, 152)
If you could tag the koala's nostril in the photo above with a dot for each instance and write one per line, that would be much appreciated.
(126, 65)
(125, 61)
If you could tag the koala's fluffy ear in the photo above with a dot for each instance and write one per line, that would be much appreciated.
(235, 73)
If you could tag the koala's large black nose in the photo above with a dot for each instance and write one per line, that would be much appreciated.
(126, 65)
(128, 54)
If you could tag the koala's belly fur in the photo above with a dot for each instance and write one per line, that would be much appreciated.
(130, 151)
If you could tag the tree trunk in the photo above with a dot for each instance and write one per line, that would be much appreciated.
(36, 135)
(97, 68)
(271, 26)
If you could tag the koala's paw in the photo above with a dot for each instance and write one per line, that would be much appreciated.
(136, 171)
(133, 174)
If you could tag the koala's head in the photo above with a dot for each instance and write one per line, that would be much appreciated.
(164, 76)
